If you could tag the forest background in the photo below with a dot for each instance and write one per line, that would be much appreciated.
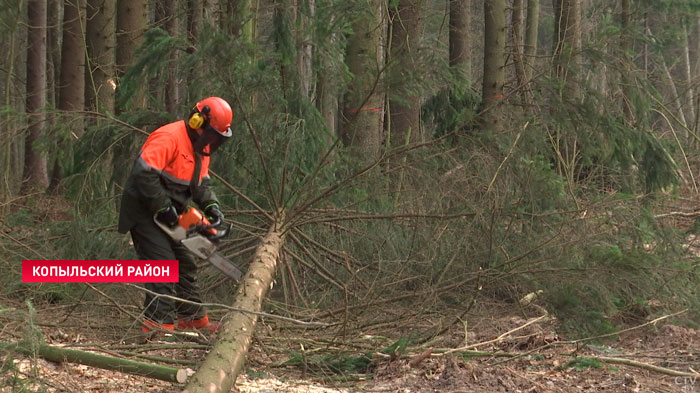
(425, 158)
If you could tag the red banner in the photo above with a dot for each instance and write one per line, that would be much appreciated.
(100, 271)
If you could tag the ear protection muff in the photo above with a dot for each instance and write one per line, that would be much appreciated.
(199, 118)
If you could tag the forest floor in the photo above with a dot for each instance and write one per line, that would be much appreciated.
(546, 362)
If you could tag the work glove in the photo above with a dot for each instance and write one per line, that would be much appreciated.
(213, 213)
(168, 215)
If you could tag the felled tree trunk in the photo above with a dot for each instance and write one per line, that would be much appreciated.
(219, 370)
(59, 355)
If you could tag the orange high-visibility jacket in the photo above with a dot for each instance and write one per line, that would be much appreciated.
(161, 175)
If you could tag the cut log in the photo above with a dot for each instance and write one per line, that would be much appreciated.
(218, 372)
(61, 354)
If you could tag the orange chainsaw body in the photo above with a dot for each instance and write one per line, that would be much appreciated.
(193, 218)
(196, 233)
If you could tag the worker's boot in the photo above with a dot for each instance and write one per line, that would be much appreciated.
(154, 331)
(202, 324)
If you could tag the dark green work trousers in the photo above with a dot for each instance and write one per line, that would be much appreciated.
(152, 243)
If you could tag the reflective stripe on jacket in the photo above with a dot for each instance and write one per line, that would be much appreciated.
(161, 175)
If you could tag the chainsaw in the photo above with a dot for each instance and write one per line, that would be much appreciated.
(198, 235)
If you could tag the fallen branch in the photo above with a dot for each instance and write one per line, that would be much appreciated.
(477, 354)
(679, 214)
(646, 366)
(60, 355)
(415, 361)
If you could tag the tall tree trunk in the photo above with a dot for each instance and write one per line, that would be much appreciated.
(211, 13)
(35, 169)
(688, 96)
(517, 23)
(363, 106)
(327, 102)
(459, 37)
(404, 113)
(132, 20)
(625, 46)
(669, 85)
(531, 35)
(695, 67)
(100, 73)
(166, 15)
(292, 24)
(645, 49)
(53, 72)
(567, 45)
(229, 18)
(286, 45)
(218, 372)
(239, 19)
(305, 13)
(195, 19)
(494, 64)
(673, 92)
(248, 11)
(53, 60)
(235, 15)
(71, 90)
(11, 167)
(101, 40)
(694, 31)
(327, 89)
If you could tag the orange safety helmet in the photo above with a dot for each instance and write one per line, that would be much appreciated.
(215, 112)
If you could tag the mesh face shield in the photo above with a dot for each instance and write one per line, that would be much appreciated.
(209, 141)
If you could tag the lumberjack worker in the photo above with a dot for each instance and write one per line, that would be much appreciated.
(172, 169)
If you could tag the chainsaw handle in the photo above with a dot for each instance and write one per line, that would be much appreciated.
(220, 233)
(213, 224)
(221, 230)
